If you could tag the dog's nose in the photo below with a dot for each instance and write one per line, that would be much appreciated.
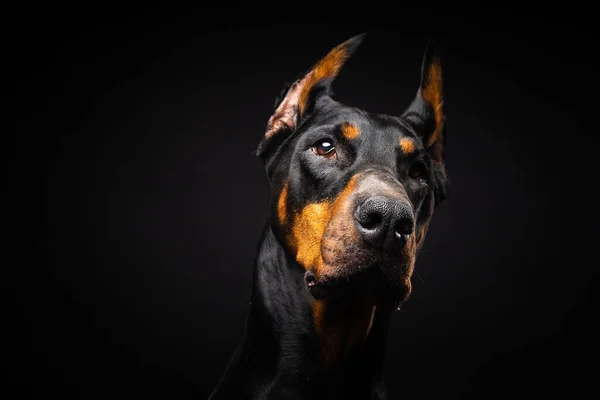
(384, 223)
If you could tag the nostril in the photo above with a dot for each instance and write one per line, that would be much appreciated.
(370, 219)
(404, 227)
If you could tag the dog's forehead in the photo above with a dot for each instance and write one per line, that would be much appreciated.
(365, 127)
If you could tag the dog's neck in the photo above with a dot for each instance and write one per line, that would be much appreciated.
(316, 346)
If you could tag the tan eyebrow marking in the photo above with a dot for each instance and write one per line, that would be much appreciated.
(407, 145)
(350, 131)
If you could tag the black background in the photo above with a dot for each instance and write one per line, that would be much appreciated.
(134, 166)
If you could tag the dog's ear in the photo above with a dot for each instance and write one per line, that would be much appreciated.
(299, 99)
(426, 115)
(426, 112)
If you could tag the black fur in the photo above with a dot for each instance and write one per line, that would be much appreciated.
(279, 357)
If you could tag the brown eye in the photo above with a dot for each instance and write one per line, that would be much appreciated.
(417, 171)
(324, 148)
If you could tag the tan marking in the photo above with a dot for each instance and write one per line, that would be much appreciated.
(359, 323)
(408, 264)
(307, 233)
(328, 67)
(409, 254)
(407, 145)
(340, 233)
(350, 131)
(342, 326)
(433, 94)
(309, 227)
(335, 329)
(319, 235)
(282, 205)
(422, 233)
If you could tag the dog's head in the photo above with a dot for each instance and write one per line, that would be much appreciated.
(353, 192)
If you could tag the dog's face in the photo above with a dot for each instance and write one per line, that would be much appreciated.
(353, 192)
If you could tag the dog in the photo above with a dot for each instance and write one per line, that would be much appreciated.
(352, 196)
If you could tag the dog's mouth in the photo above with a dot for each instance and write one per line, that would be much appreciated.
(371, 280)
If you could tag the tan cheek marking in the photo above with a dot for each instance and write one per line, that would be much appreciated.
(282, 205)
(408, 266)
(407, 145)
(350, 131)
(337, 211)
(336, 331)
(307, 233)
(433, 95)
(310, 225)
(409, 254)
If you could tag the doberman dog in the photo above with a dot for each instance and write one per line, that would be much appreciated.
(352, 195)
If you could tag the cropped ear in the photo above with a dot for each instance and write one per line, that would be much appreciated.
(298, 101)
(426, 112)
(426, 116)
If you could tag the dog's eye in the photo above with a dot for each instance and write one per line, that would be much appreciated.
(324, 148)
(417, 171)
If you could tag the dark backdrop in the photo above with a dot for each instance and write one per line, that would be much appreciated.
(134, 160)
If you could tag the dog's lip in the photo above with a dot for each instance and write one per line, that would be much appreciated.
(370, 279)
(325, 286)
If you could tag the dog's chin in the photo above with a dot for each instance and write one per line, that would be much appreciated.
(384, 283)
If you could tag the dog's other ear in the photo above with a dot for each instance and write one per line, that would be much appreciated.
(426, 112)
(299, 99)
(427, 117)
